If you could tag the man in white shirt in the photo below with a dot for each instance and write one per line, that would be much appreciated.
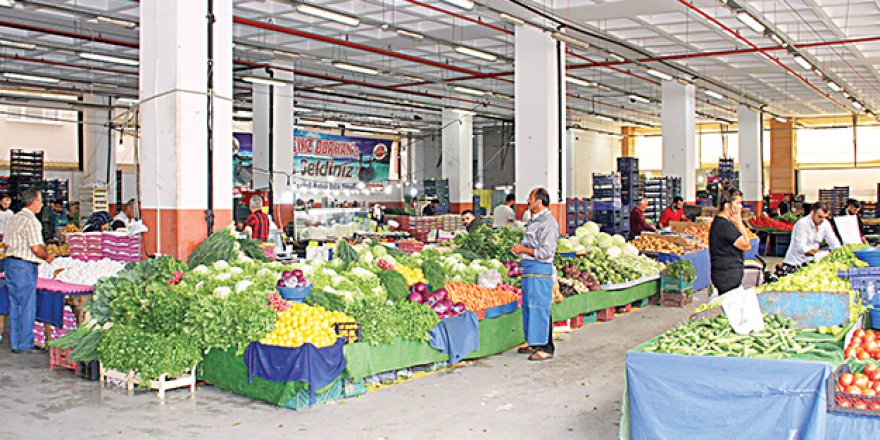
(125, 217)
(504, 213)
(808, 234)
(5, 212)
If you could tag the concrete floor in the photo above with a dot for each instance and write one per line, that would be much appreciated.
(575, 395)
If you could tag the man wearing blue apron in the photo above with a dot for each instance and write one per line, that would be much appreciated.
(536, 251)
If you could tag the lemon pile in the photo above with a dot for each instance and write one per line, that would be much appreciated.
(304, 324)
(412, 276)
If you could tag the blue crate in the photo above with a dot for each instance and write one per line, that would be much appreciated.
(601, 193)
(606, 179)
(612, 205)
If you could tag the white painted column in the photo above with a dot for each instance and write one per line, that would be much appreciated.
(458, 157)
(679, 123)
(174, 102)
(261, 129)
(539, 90)
(751, 163)
(99, 150)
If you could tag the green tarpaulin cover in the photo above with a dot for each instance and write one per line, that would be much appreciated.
(602, 299)
(363, 360)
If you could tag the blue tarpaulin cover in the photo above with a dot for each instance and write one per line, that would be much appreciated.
(679, 397)
(316, 366)
(457, 337)
(851, 426)
(702, 265)
(50, 306)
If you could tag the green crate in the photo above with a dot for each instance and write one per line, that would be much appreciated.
(675, 284)
(339, 389)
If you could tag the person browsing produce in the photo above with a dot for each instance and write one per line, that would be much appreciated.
(808, 234)
(469, 220)
(25, 250)
(504, 214)
(673, 213)
(637, 222)
(537, 250)
(728, 239)
(257, 223)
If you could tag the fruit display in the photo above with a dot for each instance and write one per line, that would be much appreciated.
(764, 222)
(664, 244)
(62, 250)
(411, 275)
(478, 298)
(859, 390)
(303, 324)
(715, 337)
(865, 345)
(700, 232)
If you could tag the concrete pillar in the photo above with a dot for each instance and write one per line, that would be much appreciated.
(678, 122)
(783, 157)
(628, 142)
(273, 143)
(539, 91)
(458, 157)
(177, 179)
(99, 151)
(751, 162)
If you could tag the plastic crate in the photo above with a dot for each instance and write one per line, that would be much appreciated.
(88, 370)
(590, 318)
(675, 284)
(605, 315)
(654, 299)
(676, 299)
(837, 396)
(340, 389)
(607, 205)
(640, 303)
(601, 193)
(623, 309)
(350, 331)
(61, 358)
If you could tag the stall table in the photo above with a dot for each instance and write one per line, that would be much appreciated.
(51, 297)
(702, 265)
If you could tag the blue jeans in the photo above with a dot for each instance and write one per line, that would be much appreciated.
(21, 282)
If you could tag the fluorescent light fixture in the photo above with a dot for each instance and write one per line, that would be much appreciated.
(284, 53)
(409, 130)
(777, 39)
(616, 57)
(301, 110)
(603, 118)
(512, 20)
(578, 81)
(846, 94)
(641, 99)
(464, 111)
(410, 34)
(803, 62)
(37, 94)
(463, 4)
(470, 51)
(780, 119)
(243, 114)
(559, 36)
(108, 58)
(381, 119)
(413, 78)
(371, 129)
(34, 78)
(127, 101)
(116, 21)
(470, 91)
(714, 94)
(329, 15)
(7, 3)
(323, 90)
(658, 74)
(750, 21)
(355, 68)
(18, 45)
(834, 86)
(264, 81)
(857, 105)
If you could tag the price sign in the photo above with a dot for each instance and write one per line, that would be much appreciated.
(743, 310)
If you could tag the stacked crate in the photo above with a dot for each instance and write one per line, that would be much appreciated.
(25, 172)
(608, 204)
(577, 212)
(120, 247)
(834, 199)
(437, 189)
(56, 190)
(658, 193)
(631, 187)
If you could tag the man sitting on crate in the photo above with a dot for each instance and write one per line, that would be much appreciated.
(24, 251)
(537, 250)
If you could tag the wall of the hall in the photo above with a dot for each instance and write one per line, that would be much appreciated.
(592, 152)
(53, 131)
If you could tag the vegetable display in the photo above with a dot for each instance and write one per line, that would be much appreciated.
(588, 236)
(303, 324)
(74, 271)
(664, 244)
(608, 270)
(764, 222)
(224, 245)
(573, 280)
(857, 386)
(126, 348)
(383, 323)
(486, 243)
(681, 269)
(478, 298)
(863, 346)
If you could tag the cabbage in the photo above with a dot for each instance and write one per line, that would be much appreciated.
(618, 240)
(588, 241)
(581, 232)
(565, 245)
(604, 241)
(588, 228)
(630, 250)
(613, 252)
(380, 251)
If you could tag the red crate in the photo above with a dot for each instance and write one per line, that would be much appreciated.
(624, 309)
(654, 299)
(576, 322)
(61, 358)
(676, 299)
(605, 315)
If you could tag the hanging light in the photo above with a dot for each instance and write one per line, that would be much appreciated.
(750, 21)
(329, 15)
(658, 74)
(470, 51)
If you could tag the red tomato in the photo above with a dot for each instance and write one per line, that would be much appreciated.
(860, 406)
(869, 334)
(845, 380)
(871, 346)
(863, 356)
(853, 390)
(874, 407)
(860, 381)
(876, 386)
(871, 368)
(869, 392)
(850, 353)
(859, 333)
(844, 404)
(856, 342)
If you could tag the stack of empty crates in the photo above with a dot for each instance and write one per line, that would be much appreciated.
(834, 199)
(576, 214)
(658, 193)
(437, 189)
(25, 172)
(56, 190)
(631, 188)
(608, 204)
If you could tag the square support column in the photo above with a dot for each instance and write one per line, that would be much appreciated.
(679, 122)
(458, 157)
(751, 162)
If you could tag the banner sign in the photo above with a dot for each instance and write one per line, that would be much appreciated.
(242, 159)
(345, 159)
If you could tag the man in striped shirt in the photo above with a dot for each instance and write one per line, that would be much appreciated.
(24, 251)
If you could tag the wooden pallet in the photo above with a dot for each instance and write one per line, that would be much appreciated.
(162, 385)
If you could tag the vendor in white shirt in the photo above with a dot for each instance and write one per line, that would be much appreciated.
(504, 214)
(125, 217)
(808, 234)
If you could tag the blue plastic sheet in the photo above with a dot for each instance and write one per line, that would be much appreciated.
(701, 261)
(318, 367)
(682, 397)
(851, 426)
(50, 306)
(504, 309)
(457, 337)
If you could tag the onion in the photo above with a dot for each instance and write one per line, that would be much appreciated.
(287, 274)
(280, 283)
(298, 273)
(439, 308)
(420, 288)
(429, 299)
(459, 307)
(415, 297)
(447, 303)
(441, 294)
(303, 282)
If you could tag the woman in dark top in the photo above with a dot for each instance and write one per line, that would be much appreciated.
(727, 241)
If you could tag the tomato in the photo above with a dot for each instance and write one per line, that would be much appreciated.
(845, 380)
(850, 353)
(869, 392)
(869, 334)
(853, 390)
(876, 387)
(860, 381)
(860, 405)
(874, 407)
(863, 356)
(844, 404)
(859, 333)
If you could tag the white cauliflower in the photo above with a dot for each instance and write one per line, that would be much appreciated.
(221, 265)
(202, 270)
(242, 285)
(222, 292)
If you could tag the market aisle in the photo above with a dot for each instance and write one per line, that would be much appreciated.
(576, 395)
